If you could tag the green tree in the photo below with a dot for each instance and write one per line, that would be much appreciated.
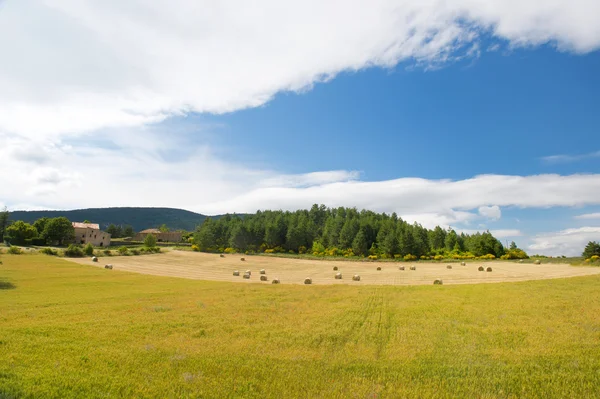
(451, 240)
(128, 231)
(20, 231)
(348, 233)
(360, 246)
(40, 225)
(150, 241)
(513, 245)
(59, 230)
(592, 248)
(438, 238)
(4, 215)
(164, 229)
(240, 237)
(205, 235)
(114, 231)
(88, 249)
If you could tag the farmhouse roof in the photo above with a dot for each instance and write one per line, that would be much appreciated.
(79, 225)
(151, 231)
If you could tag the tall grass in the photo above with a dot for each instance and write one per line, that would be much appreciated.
(71, 331)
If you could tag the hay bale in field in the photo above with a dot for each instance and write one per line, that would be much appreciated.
(480, 268)
(413, 268)
(246, 276)
(378, 268)
(463, 263)
(108, 267)
(538, 262)
(221, 256)
(402, 268)
(308, 280)
(356, 277)
(449, 267)
(94, 259)
(338, 276)
(438, 282)
(242, 259)
(520, 260)
(335, 268)
(262, 271)
(275, 281)
(248, 272)
(489, 269)
(236, 273)
(263, 278)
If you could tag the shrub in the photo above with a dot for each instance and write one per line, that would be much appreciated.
(150, 241)
(269, 251)
(124, 251)
(49, 251)
(195, 248)
(438, 257)
(135, 251)
(88, 249)
(107, 252)
(317, 247)
(424, 257)
(229, 250)
(302, 249)
(373, 257)
(14, 250)
(74, 251)
(410, 257)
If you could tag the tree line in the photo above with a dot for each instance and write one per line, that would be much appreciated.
(43, 231)
(338, 231)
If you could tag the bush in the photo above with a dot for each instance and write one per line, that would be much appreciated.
(88, 249)
(107, 252)
(438, 257)
(269, 251)
(135, 251)
(14, 250)
(229, 250)
(195, 248)
(49, 251)
(373, 257)
(124, 251)
(74, 251)
(410, 257)
(150, 241)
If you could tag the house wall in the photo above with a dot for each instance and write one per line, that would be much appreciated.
(95, 237)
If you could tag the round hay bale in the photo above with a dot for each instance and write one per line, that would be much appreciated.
(449, 267)
(463, 263)
(221, 256)
(402, 268)
(489, 269)
(413, 268)
(246, 276)
(263, 278)
(378, 268)
(356, 277)
(242, 259)
(480, 268)
(308, 280)
(335, 268)
(520, 260)
(438, 282)
(248, 272)
(108, 267)
(262, 271)
(94, 259)
(275, 281)
(338, 276)
(236, 273)
(538, 262)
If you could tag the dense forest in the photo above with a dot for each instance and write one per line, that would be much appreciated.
(343, 231)
(138, 218)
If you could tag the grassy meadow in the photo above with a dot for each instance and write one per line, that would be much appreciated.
(73, 331)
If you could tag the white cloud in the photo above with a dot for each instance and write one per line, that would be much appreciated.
(569, 242)
(490, 212)
(72, 66)
(588, 216)
(563, 158)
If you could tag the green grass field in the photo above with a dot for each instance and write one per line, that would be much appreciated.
(71, 331)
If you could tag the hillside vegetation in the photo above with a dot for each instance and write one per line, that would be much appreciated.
(72, 331)
(138, 218)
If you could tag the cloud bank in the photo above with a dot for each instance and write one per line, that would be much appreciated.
(80, 65)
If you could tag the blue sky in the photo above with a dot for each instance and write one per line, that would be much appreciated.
(470, 115)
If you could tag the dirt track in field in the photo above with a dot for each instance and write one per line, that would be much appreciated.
(202, 266)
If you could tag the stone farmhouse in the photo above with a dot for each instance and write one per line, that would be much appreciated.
(90, 233)
(171, 236)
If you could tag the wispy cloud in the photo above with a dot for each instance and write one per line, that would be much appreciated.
(569, 242)
(562, 158)
(588, 216)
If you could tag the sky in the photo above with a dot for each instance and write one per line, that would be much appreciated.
(469, 114)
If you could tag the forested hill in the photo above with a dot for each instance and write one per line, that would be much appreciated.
(138, 218)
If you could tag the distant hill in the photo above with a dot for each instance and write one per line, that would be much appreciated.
(139, 218)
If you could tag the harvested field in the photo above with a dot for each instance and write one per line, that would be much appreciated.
(202, 266)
